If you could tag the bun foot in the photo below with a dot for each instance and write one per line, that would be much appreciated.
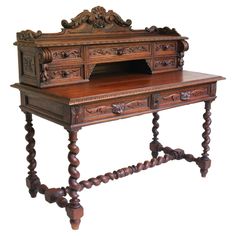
(75, 224)
(33, 184)
(204, 163)
(75, 214)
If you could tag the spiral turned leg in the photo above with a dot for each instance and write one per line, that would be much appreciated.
(204, 162)
(155, 146)
(32, 181)
(74, 209)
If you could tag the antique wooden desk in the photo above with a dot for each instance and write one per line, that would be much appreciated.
(126, 73)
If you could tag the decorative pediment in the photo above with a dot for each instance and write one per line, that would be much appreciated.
(97, 19)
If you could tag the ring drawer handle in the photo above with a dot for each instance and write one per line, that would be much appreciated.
(118, 108)
(184, 96)
(120, 51)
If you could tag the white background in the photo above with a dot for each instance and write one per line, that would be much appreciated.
(168, 200)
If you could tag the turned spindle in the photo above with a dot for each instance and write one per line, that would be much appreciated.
(204, 162)
(74, 209)
(155, 146)
(32, 181)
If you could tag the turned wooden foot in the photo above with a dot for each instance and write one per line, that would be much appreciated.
(75, 214)
(32, 181)
(74, 209)
(155, 146)
(204, 162)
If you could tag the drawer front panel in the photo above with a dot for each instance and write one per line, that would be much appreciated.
(64, 55)
(163, 63)
(165, 48)
(115, 108)
(51, 75)
(119, 52)
(167, 99)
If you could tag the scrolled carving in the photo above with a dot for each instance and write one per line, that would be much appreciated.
(45, 55)
(98, 18)
(162, 31)
(28, 35)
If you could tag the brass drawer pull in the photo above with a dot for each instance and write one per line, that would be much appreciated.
(184, 96)
(118, 108)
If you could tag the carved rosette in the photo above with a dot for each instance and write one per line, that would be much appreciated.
(98, 18)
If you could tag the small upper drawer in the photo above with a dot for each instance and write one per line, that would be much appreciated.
(63, 55)
(165, 48)
(165, 63)
(119, 52)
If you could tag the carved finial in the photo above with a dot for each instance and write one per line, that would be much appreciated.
(162, 31)
(98, 18)
(28, 35)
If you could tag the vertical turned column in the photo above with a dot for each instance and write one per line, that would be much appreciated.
(204, 162)
(74, 209)
(32, 181)
(155, 146)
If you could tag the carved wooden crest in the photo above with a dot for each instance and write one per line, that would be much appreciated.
(97, 19)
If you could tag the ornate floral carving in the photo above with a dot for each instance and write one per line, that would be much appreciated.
(75, 114)
(66, 54)
(114, 108)
(28, 35)
(172, 97)
(89, 70)
(28, 65)
(199, 92)
(118, 50)
(162, 31)
(99, 109)
(46, 74)
(98, 18)
(165, 62)
(170, 46)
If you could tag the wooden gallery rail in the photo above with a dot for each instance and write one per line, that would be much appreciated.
(98, 69)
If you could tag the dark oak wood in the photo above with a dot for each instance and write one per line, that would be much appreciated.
(74, 209)
(94, 38)
(32, 181)
(128, 73)
(155, 146)
(205, 162)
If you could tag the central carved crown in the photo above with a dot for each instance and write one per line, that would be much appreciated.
(97, 19)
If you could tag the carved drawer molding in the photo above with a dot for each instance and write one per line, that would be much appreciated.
(163, 99)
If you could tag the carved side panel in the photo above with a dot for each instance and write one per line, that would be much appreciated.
(28, 64)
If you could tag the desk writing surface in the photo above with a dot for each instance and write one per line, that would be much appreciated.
(115, 85)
